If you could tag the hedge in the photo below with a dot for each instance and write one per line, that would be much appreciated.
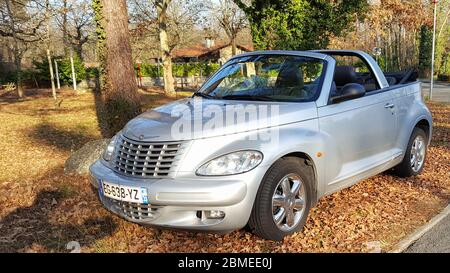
(64, 68)
(179, 70)
(40, 71)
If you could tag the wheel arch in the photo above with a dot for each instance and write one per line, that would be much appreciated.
(425, 125)
(309, 162)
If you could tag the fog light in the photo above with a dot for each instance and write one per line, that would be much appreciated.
(214, 214)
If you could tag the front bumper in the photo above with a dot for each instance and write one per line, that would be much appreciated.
(181, 203)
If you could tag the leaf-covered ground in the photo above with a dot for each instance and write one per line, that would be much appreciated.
(41, 209)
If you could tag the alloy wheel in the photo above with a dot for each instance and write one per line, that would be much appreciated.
(288, 202)
(417, 155)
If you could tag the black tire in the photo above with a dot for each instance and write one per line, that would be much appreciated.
(261, 220)
(404, 169)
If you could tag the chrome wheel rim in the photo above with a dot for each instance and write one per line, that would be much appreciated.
(417, 155)
(288, 202)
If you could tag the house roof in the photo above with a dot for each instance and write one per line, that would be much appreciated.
(201, 50)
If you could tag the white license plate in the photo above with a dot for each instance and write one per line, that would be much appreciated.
(124, 193)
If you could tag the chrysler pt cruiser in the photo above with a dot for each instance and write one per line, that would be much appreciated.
(262, 140)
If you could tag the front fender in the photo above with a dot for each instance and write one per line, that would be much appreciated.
(303, 137)
(299, 137)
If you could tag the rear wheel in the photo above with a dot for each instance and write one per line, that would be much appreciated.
(415, 155)
(283, 200)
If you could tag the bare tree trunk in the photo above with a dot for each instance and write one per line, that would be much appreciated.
(233, 46)
(49, 57)
(19, 87)
(161, 8)
(119, 100)
(64, 26)
(79, 50)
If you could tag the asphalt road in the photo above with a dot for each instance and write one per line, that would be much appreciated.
(441, 91)
(436, 240)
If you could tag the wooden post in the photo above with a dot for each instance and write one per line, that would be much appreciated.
(52, 78)
(435, 2)
(57, 75)
(74, 79)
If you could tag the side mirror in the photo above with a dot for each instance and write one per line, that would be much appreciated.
(348, 92)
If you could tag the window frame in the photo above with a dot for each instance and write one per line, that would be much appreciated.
(354, 54)
(279, 53)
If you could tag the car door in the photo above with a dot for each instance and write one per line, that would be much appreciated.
(360, 134)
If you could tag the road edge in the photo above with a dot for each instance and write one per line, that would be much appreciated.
(419, 232)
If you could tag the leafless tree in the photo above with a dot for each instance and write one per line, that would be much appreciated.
(172, 23)
(48, 15)
(75, 19)
(21, 21)
(231, 19)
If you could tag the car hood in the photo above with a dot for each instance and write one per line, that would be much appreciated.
(201, 118)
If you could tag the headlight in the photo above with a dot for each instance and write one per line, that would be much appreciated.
(233, 163)
(109, 151)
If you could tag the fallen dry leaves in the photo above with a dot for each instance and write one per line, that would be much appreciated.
(42, 209)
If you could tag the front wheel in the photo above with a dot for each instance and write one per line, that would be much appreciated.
(283, 200)
(415, 155)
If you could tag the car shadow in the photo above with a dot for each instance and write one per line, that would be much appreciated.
(26, 228)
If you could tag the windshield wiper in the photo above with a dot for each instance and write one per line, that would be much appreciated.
(246, 97)
(203, 95)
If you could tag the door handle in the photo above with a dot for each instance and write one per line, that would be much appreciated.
(389, 105)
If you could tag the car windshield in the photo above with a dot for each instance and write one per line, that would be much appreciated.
(266, 77)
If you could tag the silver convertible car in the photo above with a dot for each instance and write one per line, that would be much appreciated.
(262, 140)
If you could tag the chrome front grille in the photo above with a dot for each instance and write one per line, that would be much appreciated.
(136, 211)
(146, 159)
